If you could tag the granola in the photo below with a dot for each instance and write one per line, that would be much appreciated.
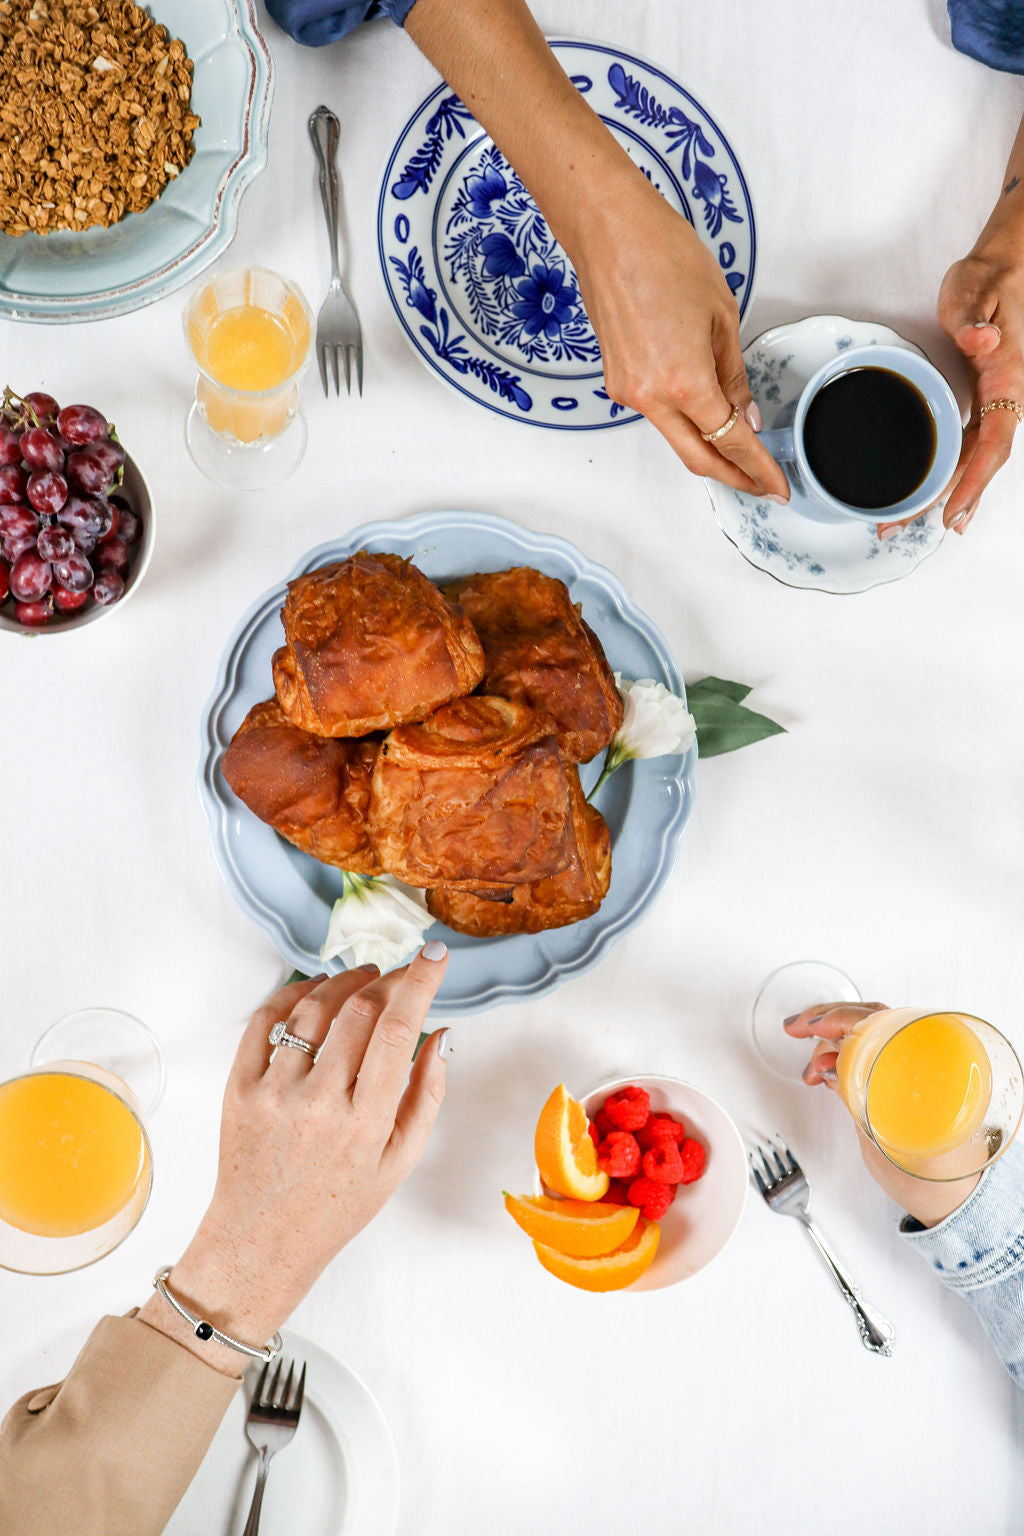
(95, 113)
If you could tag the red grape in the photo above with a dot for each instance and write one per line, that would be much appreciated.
(10, 446)
(111, 555)
(15, 544)
(45, 406)
(40, 449)
(5, 581)
(108, 587)
(34, 613)
(18, 519)
(13, 482)
(80, 424)
(74, 573)
(87, 470)
(55, 544)
(47, 492)
(110, 453)
(129, 525)
(31, 577)
(68, 601)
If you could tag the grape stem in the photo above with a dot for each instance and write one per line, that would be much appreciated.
(10, 396)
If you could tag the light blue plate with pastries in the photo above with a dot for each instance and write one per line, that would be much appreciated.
(646, 804)
(67, 276)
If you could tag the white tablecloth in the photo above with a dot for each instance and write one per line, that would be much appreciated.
(882, 833)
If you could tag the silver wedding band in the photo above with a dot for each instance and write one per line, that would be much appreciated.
(712, 437)
(279, 1036)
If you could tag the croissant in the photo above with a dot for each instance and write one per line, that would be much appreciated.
(371, 643)
(475, 797)
(314, 791)
(539, 651)
(552, 902)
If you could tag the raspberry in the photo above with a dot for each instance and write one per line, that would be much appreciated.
(628, 1109)
(693, 1157)
(661, 1127)
(653, 1199)
(663, 1163)
(604, 1125)
(618, 1193)
(618, 1155)
(593, 1132)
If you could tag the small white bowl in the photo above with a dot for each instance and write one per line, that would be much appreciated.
(705, 1214)
(135, 491)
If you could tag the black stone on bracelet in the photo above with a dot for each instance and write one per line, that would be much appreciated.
(204, 1331)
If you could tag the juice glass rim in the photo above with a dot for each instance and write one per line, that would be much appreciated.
(293, 289)
(61, 1069)
(969, 1019)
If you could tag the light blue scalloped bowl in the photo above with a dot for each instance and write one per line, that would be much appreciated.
(646, 804)
(104, 272)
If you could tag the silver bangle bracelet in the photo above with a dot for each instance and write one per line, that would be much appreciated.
(206, 1331)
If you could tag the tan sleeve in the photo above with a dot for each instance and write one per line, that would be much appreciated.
(111, 1449)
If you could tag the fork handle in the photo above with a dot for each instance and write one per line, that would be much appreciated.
(252, 1525)
(324, 130)
(876, 1332)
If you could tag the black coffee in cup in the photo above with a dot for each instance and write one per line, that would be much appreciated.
(869, 437)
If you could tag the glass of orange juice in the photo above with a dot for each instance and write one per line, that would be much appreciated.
(76, 1166)
(250, 333)
(939, 1093)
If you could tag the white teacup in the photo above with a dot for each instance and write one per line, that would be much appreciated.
(787, 443)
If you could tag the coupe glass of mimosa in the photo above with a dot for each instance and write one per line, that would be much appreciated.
(790, 990)
(939, 1093)
(250, 333)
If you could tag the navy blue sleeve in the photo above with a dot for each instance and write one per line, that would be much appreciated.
(316, 22)
(989, 30)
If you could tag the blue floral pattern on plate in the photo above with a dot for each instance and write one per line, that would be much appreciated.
(828, 557)
(645, 804)
(484, 291)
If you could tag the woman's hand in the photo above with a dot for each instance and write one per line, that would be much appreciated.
(308, 1152)
(828, 1024)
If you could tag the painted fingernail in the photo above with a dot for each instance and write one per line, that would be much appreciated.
(817, 1019)
(962, 518)
(444, 1045)
(435, 950)
(889, 533)
(320, 976)
(987, 325)
(791, 1020)
(752, 416)
(372, 966)
(780, 501)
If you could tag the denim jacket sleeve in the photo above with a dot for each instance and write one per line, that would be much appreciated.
(979, 1251)
(323, 21)
(989, 30)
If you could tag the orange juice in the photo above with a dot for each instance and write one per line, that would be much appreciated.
(249, 348)
(250, 353)
(71, 1154)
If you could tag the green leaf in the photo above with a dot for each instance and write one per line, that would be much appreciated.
(718, 686)
(296, 976)
(725, 726)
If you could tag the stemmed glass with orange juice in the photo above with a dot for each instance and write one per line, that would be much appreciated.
(76, 1167)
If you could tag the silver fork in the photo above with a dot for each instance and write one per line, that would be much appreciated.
(337, 324)
(273, 1418)
(782, 1182)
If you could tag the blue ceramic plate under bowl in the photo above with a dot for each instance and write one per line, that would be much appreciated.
(646, 804)
(105, 272)
(483, 291)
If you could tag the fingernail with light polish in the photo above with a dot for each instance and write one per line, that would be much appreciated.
(444, 1044)
(987, 325)
(752, 417)
(435, 950)
(779, 501)
(961, 520)
(889, 533)
(320, 976)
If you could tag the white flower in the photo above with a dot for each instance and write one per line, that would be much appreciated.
(376, 920)
(654, 721)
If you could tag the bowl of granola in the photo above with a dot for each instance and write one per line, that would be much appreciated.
(126, 141)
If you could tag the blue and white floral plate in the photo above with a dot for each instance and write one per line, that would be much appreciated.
(826, 557)
(646, 804)
(483, 291)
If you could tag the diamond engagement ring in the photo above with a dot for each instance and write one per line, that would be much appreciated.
(279, 1036)
(1003, 405)
(712, 437)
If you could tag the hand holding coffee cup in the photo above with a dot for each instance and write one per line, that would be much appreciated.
(876, 437)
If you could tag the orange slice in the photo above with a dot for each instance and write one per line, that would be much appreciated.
(566, 1156)
(585, 1229)
(611, 1271)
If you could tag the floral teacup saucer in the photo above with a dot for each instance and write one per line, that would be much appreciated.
(796, 550)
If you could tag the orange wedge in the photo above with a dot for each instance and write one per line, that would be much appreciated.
(583, 1228)
(566, 1156)
(611, 1271)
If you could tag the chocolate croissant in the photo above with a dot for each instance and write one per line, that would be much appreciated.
(369, 644)
(475, 797)
(538, 651)
(315, 792)
(555, 901)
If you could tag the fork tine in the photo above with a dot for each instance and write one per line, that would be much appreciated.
(300, 1391)
(780, 1166)
(764, 1176)
(348, 370)
(758, 1180)
(788, 1160)
(286, 1390)
(257, 1396)
(334, 369)
(271, 1397)
(359, 367)
(321, 357)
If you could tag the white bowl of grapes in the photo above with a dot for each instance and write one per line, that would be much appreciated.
(76, 520)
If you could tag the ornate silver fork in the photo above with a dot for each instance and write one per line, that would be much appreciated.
(273, 1418)
(782, 1183)
(337, 324)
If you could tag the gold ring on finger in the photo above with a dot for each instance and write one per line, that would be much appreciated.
(712, 437)
(1003, 405)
